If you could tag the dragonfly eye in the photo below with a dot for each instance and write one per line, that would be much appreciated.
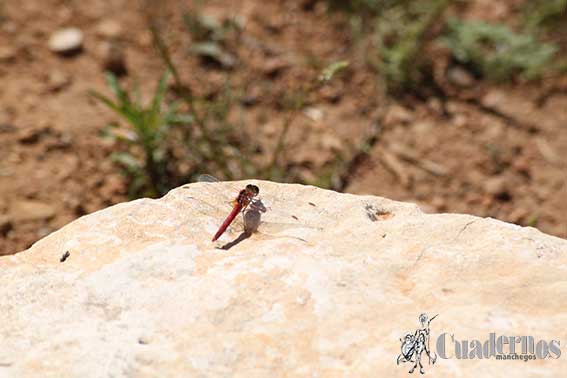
(253, 189)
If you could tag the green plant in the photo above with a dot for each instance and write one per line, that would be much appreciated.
(147, 152)
(210, 37)
(401, 35)
(401, 29)
(293, 104)
(171, 141)
(278, 167)
(497, 52)
(222, 146)
(216, 143)
(544, 13)
(532, 220)
(369, 7)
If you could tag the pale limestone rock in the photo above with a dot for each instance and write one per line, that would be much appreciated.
(144, 293)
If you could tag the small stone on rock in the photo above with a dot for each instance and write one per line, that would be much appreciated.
(144, 340)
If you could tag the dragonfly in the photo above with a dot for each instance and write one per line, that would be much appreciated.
(246, 201)
(239, 204)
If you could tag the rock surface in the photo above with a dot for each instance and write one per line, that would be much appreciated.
(329, 293)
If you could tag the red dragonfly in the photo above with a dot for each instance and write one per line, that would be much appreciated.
(240, 203)
(247, 198)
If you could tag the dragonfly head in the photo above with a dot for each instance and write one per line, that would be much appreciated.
(252, 190)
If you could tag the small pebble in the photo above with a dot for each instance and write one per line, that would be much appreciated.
(109, 29)
(397, 114)
(113, 58)
(144, 340)
(66, 41)
(315, 114)
(30, 210)
(8, 26)
(30, 135)
(275, 66)
(57, 80)
(460, 77)
(331, 93)
(252, 96)
(498, 188)
(5, 225)
(44, 231)
(7, 54)
(6, 125)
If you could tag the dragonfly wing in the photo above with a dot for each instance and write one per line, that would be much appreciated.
(284, 230)
(207, 178)
(257, 221)
(221, 191)
(274, 219)
(217, 193)
(275, 213)
(204, 206)
(220, 188)
(275, 228)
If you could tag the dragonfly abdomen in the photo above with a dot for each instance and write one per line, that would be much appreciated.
(235, 210)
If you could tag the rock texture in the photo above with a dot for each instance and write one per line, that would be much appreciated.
(144, 293)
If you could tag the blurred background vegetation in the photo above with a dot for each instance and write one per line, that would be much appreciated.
(166, 144)
(454, 104)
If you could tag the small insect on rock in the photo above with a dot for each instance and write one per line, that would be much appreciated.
(65, 256)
